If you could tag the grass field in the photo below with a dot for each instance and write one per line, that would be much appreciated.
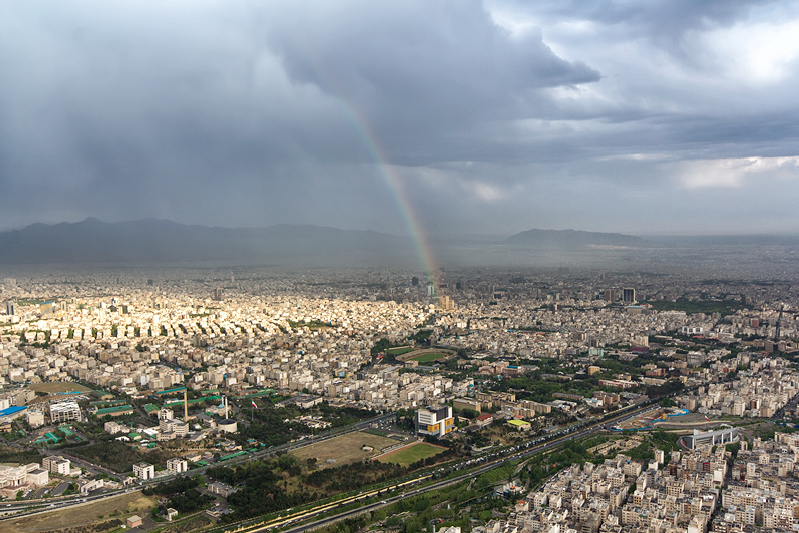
(58, 386)
(344, 449)
(411, 454)
(428, 357)
(120, 507)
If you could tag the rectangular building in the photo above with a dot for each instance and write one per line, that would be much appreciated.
(629, 295)
(143, 471)
(65, 412)
(434, 422)
(177, 465)
(57, 465)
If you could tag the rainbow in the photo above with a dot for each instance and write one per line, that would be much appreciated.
(387, 174)
(394, 185)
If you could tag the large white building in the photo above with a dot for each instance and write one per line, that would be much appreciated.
(14, 476)
(35, 418)
(435, 422)
(64, 412)
(113, 428)
(722, 436)
(143, 471)
(177, 465)
(172, 429)
(57, 464)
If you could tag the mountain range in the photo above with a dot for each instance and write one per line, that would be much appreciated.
(163, 241)
(570, 238)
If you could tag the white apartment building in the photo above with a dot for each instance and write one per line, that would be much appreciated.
(113, 428)
(172, 429)
(143, 471)
(57, 465)
(64, 412)
(35, 418)
(177, 465)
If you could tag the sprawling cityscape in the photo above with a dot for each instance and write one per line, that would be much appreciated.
(489, 400)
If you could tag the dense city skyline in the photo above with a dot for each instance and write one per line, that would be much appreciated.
(461, 117)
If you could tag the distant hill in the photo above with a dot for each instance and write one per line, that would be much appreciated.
(570, 238)
(160, 241)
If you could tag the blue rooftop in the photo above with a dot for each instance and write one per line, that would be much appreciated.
(12, 410)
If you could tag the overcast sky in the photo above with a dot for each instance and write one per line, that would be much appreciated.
(662, 116)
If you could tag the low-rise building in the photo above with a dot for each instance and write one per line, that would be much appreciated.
(222, 489)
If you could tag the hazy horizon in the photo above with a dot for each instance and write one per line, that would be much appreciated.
(431, 236)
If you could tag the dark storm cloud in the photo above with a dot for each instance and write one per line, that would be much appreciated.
(420, 67)
(496, 116)
(164, 109)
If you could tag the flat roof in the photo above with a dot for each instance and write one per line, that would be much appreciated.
(12, 410)
(109, 410)
(169, 391)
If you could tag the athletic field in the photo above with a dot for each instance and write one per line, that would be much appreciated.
(428, 357)
(411, 454)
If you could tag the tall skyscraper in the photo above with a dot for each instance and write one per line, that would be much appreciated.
(610, 295)
(10, 308)
(414, 281)
(217, 294)
(629, 296)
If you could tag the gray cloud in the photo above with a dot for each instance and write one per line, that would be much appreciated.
(494, 117)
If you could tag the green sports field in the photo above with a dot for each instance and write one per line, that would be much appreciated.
(411, 454)
(428, 357)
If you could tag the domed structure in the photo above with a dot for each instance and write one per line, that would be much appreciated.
(227, 425)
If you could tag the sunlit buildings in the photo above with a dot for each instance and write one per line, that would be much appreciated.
(64, 412)
(434, 422)
(698, 438)
(143, 471)
(56, 464)
(177, 465)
